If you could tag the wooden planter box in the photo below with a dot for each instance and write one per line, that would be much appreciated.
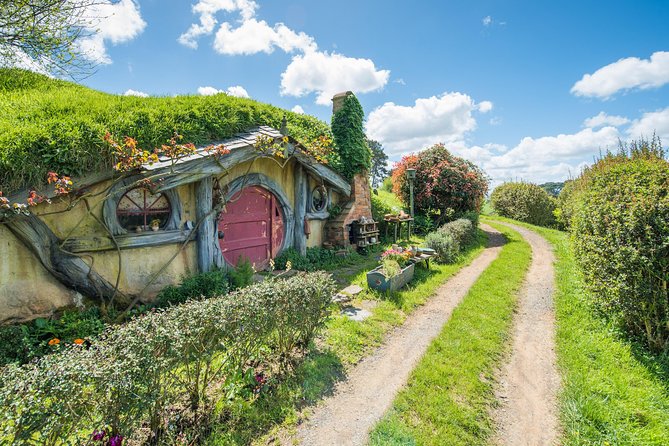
(377, 281)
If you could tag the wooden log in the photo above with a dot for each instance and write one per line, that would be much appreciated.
(69, 269)
(141, 240)
(301, 195)
(205, 234)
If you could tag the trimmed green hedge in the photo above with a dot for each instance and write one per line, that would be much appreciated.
(162, 375)
(47, 124)
(620, 230)
(524, 202)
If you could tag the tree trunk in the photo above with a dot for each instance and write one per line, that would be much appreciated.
(68, 268)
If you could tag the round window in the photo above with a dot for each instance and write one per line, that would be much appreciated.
(319, 199)
(139, 209)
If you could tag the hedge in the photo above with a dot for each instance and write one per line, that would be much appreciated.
(524, 202)
(620, 231)
(163, 372)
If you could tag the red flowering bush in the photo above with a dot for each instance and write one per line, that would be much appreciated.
(445, 184)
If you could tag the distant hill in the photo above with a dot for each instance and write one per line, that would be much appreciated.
(48, 124)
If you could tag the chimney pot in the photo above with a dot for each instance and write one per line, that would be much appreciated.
(338, 100)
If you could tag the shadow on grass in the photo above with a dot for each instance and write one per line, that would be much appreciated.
(241, 422)
(657, 364)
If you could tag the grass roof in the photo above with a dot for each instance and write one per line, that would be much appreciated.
(48, 124)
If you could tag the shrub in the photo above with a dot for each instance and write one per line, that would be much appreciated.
(445, 184)
(298, 308)
(317, 258)
(390, 268)
(387, 184)
(462, 231)
(524, 202)
(382, 204)
(242, 275)
(23, 342)
(620, 232)
(162, 370)
(445, 246)
(198, 286)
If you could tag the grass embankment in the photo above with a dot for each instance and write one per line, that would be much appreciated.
(343, 343)
(449, 394)
(613, 393)
(48, 124)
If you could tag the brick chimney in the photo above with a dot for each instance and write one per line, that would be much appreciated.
(360, 202)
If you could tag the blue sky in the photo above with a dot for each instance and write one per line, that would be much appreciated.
(511, 85)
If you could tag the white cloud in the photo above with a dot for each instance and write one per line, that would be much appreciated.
(207, 10)
(329, 73)
(131, 92)
(487, 21)
(656, 122)
(236, 90)
(251, 36)
(310, 71)
(208, 91)
(625, 74)
(298, 109)
(115, 23)
(602, 119)
(254, 36)
(403, 129)
(484, 107)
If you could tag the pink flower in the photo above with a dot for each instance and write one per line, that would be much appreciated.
(116, 440)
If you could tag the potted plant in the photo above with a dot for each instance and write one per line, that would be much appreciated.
(155, 225)
(395, 271)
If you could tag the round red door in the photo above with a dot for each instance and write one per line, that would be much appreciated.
(251, 227)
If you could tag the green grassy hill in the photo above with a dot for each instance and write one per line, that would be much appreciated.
(48, 124)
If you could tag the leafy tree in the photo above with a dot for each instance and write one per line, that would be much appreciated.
(349, 136)
(445, 186)
(43, 34)
(552, 188)
(379, 169)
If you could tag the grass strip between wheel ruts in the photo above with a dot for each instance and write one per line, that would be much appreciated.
(448, 397)
(613, 392)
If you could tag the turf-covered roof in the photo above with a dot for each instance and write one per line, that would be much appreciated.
(48, 124)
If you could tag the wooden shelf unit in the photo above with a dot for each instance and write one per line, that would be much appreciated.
(363, 235)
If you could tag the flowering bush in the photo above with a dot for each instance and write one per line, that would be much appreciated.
(401, 257)
(444, 183)
(166, 364)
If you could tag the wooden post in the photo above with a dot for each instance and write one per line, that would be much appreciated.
(205, 234)
(301, 196)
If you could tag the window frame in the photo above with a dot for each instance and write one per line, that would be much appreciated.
(120, 189)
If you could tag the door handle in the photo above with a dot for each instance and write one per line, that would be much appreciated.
(221, 235)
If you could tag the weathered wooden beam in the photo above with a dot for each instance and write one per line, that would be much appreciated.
(204, 191)
(196, 170)
(322, 171)
(69, 269)
(301, 194)
(127, 241)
